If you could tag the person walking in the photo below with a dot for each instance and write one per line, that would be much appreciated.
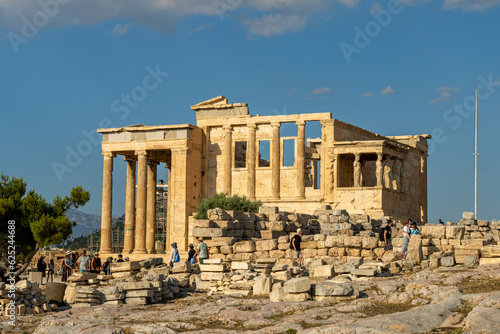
(406, 237)
(83, 262)
(66, 267)
(201, 251)
(191, 253)
(41, 266)
(50, 272)
(174, 254)
(295, 246)
(95, 264)
(386, 238)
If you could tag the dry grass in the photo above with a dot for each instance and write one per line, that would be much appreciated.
(386, 308)
(479, 286)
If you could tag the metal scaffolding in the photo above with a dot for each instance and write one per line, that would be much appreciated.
(94, 239)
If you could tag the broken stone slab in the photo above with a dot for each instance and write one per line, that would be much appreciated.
(296, 297)
(325, 271)
(241, 265)
(297, 285)
(81, 277)
(55, 291)
(281, 275)
(212, 261)
(268, 260)
(213, 267)
(455, 232)
(364, 272)
(433, 231)
(468, 215)
(244, 247)
(447, 261)
(415, 248)
(343, 268)
(489, 260)
(209, 232)
(490, 251)
(134, 286)
(136, 301)
(272, 234)
(471, 261)
(124, 267)
(333, 289)
(262, 286)
(267, 210)
(139, 293)
(280, 267)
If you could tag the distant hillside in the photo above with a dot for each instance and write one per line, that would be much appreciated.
(85, 223)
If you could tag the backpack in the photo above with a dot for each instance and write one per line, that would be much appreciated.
(381, 234)
(291, 244)
(177, 258)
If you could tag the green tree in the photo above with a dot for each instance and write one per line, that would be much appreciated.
(225, 202)
(37, 222)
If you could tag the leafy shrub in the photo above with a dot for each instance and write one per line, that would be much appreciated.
(223, 201)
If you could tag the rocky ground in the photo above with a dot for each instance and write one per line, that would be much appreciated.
(443, 300)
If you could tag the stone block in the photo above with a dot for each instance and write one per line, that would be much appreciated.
(224, 224)
(275, 226)
(415, 248)
(224, 241)
(218, 214)
(334, 241)
(241, 265)
(136, 301)
(297, 285)
(308, 253)
(139, 293)
(244, 247)
(284, 239)
(325, 271)
(277, 294)
(297, 297)
(364, 272)
(226, 249)
(468, 215)
(130, 286)
(447, 261)
(489, 260)
(276, 217)
(490, 251)
(204, 223)
(433, 231)
(119, 267)
(369, 242)
(266, 245)
(212, 261)
(278, 254)
(281, 275)
(82, 277)
(329, 288)
(262, 286)
(353, 242)
(309, 245)
(483, 223)
(267, 210)
(471, 261)
(35, 276)
(265, 261)
(55, 291)
(209, 232)
(455, 232)
(213, 267)
(271, 234)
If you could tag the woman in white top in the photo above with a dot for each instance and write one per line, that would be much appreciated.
(173, 253)
(406, 237)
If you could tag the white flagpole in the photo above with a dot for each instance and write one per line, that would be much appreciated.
(475, 161)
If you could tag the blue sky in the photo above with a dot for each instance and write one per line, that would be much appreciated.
(67, 65)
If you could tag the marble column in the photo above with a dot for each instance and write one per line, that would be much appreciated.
(380, 170)
(128, 243)
(107, 202)
(275, 161)
(151, 208)
(228, 143)
(357, 170)
(140, 220)
(168, 165)
(301, 152)
(251, 161)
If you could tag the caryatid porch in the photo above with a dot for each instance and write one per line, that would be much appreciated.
(143, 148)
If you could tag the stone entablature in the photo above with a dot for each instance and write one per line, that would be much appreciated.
(231, 151)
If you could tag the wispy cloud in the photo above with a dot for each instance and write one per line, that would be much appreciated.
(470, 5)
(376, 8)
(120, 29)
(445, 94)
(206, 26)
(369, 94)
(272, 25)
(319, 91)
(387, 90)
(294, 91)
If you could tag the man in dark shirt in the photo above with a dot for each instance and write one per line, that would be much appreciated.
(387, 238)
(95, 264)
(120, 258)
(295, 246)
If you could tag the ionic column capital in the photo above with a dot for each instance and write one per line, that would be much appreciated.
(275, 125)
(227, 127)
(300, 122)
(108, 154)
(252, 126)
(131, 158)
(141, 153)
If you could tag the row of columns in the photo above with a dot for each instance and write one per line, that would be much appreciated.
(140, 214)
(275, 159)
(389, 172)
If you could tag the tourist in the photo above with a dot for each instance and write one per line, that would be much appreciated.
(387, 235)
(106, 267)
(41, 266)
(120, 258)
(201, 251)
(74, 259)
(414, 229)
(50, 272)
(66, 266)
(174, 255)
(83, 262)
(295, 246)
(406, 237)
(95, 264)
(441, 222)
(127, 259)
(191, 254)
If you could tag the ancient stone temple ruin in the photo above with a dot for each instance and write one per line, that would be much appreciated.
(231, 151)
